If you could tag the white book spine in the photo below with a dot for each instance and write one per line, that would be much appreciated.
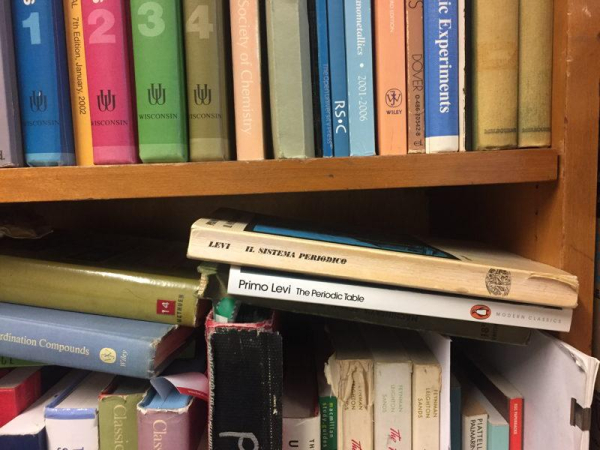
(281, 286)
(426, 407)
(75, 434)
(475, 432)
(393, 390)
(302, 433)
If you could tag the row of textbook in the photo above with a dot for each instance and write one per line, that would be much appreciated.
(131, 311)
(122, 81)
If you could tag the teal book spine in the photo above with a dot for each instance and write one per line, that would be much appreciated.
(497, 437)
(359, 54)
(160, 80)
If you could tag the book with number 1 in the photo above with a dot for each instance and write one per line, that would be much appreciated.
(43, 82)
(108, 56)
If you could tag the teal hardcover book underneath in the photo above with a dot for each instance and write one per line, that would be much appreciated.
(86, 341)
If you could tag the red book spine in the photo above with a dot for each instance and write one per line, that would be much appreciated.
(15, 400)
(516, 424)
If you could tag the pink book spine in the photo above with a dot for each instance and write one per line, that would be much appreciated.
(172, 429)
(108, 53)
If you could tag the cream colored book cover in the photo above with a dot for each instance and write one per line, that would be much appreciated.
(469, 269)
(349, 371)
(426, 387)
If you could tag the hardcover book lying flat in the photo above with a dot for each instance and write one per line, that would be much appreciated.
(293, 287)
(132, 278)
(85, 341)
(244, 239)
(28, 430)
(72, 418)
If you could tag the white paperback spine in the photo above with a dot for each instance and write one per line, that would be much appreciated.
(290, 287)
(72, 434)
(393, 406)
(302, 433)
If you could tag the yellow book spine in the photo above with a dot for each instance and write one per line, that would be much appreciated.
(82, 125)
(495, 76)
(535, 73)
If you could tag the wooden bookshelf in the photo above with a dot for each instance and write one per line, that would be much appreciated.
(538, 203)
(267, 177)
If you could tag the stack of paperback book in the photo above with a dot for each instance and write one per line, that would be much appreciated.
(119, 81)
(102, 345)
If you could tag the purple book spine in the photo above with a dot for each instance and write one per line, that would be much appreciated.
(11, 150)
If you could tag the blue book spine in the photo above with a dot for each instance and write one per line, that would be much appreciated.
(497, 437)
(39, 31)
(324, 77)
(80, 341)
(441, 75)
(36, 441)
(359, 55)
(339, 82)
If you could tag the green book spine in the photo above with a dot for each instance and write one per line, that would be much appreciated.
(329, 419)
(209, 84)
(11, 363)
(159, 80)
(117, 421)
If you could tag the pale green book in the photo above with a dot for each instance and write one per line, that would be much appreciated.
(117, 413)
(290, 82)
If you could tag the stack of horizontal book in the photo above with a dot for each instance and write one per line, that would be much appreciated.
(364, 274)
(317, 339)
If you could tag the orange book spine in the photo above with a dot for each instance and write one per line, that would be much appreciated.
(247, 79)
(415, 73)
(390, 58)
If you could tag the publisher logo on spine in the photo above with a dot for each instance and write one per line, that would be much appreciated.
(157, 95)
(108, 356)
(393, 98)
(481, 312)
(498, 282)
(202, 95)
(38, 102)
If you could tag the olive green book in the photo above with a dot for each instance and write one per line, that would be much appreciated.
(535, 73)
(494, 73)
(290, 82)
(132, 278)
(159, 80)
(209, 84)
(117, 413)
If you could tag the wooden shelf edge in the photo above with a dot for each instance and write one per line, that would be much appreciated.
(283, 176)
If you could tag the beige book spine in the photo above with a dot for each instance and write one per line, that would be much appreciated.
(415, 71)
(507, 277)
(495, 73)
(290, 81)
(426, 386)
(535, 73)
